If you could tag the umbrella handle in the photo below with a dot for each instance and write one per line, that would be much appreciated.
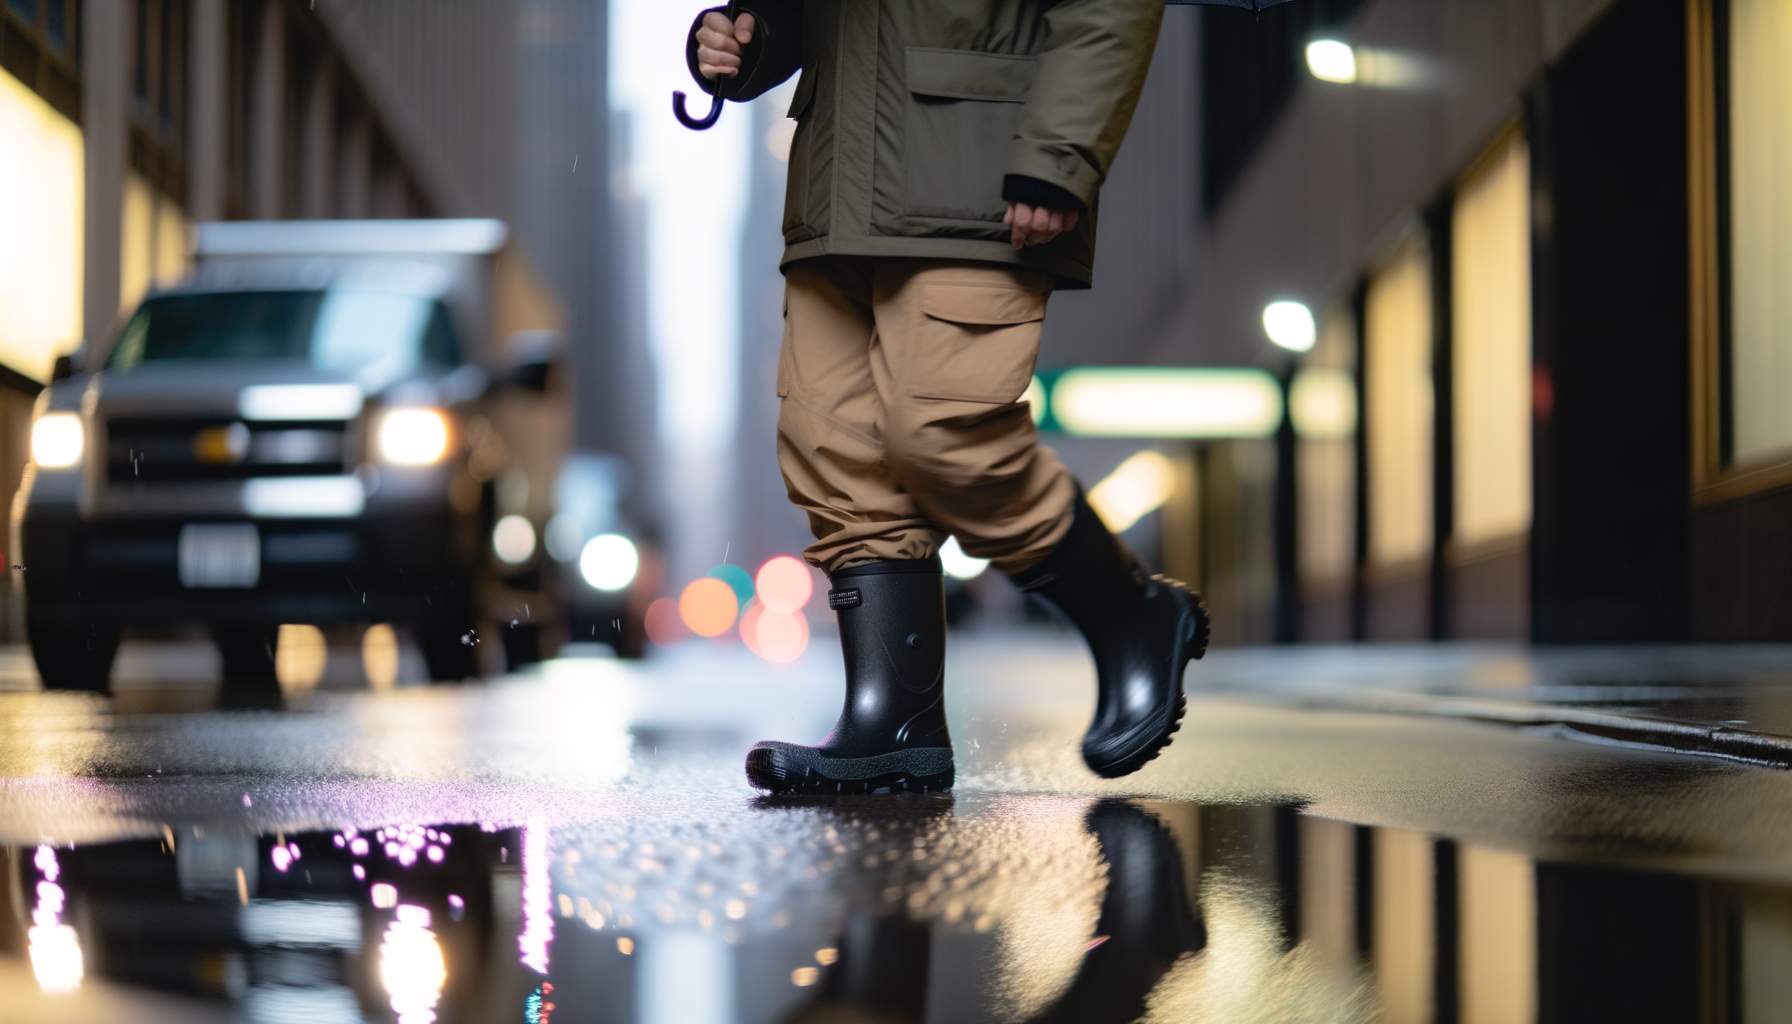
(698, 124)
(679, 108)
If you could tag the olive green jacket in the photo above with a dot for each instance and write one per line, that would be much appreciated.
(915, 116)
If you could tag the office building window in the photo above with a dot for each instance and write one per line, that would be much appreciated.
(1491, 333)
(1400, 408)
(1758, 127)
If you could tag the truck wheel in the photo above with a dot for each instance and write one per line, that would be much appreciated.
(522, 646)
(248, 655)
(74, 657)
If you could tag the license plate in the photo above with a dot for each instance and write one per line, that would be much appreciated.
(223, 555)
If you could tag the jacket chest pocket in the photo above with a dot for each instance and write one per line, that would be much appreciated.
(802, 160)
(964, 107)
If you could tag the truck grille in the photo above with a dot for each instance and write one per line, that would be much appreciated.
(150, 450)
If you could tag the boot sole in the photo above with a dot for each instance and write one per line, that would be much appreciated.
(1196, 637)
(787, 769)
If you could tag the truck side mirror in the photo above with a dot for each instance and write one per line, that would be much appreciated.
(63, 368)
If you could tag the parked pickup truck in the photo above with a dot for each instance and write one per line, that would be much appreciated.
(327, 423)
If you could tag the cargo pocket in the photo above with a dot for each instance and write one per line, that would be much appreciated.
(796, 198)
(977, 342)
(964, 107)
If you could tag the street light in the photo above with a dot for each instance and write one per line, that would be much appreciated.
(1290, 325)
(1331, 61)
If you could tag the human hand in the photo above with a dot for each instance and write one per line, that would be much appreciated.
(720, 42)
(1037, 225)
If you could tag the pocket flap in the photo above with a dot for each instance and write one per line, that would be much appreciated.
(970, 74)
(982, 305)
(805, 95)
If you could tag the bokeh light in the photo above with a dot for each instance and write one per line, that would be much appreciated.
(749, 627)
(708, 606)
(662, 623)
(739, 580)
(300, 656)
(785, 584)
(782, 636)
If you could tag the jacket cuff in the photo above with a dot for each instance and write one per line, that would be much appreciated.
(1018, 188)
(1057, 164)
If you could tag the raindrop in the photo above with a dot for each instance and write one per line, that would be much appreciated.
(470, 638)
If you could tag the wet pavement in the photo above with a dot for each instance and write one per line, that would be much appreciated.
(577, 845)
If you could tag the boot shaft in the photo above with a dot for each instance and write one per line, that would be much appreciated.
(892, 619)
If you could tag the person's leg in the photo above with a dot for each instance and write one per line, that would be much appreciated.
(876, 546)
(956, 349)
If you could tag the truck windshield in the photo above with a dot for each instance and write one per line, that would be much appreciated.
(341, 331)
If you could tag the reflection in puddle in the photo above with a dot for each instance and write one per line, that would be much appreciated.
(1003, 909)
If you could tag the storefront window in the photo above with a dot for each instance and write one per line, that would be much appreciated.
(1759, 90)
(1324, 406)
(1400, 408)
(41, 206)
(1491, 325)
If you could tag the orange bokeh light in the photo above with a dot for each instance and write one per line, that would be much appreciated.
(784, 584)
(663, 627)
(783, 636)
(749, 626)
(708, 606)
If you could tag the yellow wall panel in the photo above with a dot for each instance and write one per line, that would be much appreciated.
(1400, 407)
(1491, 325)
(42, 209)
(1761, 227)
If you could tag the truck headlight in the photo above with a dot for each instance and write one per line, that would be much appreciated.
(413, 437)
(609, 562)
(57, 439)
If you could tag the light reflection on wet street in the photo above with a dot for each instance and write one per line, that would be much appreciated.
(578, 845)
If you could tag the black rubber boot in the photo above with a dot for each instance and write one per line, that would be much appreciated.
(1146, 922)
(891, 736)
(1142, 629)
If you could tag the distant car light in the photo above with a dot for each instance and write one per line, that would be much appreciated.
(959, 565)
(1332, 60)
(57, 439)
(609, 562)
(513, 539)
(414, 437)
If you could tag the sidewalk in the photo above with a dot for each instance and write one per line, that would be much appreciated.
(1730, 702)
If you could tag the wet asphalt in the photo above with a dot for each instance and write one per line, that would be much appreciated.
(577, 844)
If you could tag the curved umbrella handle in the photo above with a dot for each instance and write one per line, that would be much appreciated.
(698, 124)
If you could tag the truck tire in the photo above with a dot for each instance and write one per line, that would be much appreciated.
(522, 646)
(75, 657)
(248, 656)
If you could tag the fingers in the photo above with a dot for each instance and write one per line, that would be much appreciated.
(1020, 217)
(743, 28)
(1036, 225)
(719, 45)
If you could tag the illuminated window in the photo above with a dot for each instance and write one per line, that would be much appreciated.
(1400, 408)
(42, 208)
(1323, 404)
(1760, 222)
(1491, 325)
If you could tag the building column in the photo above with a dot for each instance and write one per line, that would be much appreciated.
(209, 110)
(105, 95)
(317, 163)
(354, 157)
(268, 104)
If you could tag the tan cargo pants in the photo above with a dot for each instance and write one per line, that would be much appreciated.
(900, 414)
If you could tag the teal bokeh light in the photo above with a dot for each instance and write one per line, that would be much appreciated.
(739, 580)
